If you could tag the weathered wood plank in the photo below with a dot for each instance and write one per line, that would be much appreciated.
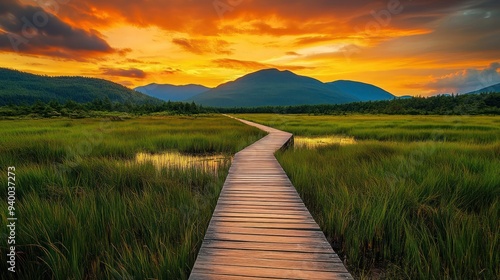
(260, 209)
(260, 228)
(273, 263)
(300, 273)
(270, 246)
(262, 220)
(229, 213)
(264, 238)
(270, 232)
(263, 196)
(262, 254)
(300, 226)
(209, 276)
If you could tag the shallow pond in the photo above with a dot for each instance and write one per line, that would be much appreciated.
(206, 163)
(314, 142)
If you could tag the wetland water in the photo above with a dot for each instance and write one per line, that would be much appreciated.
(212, 163)
(205, 163)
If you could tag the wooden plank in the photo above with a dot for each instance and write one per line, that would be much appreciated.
(257, 201)
(263, 254)
(210, 276)
(269, 232)
(273, 263)
(262, 197)
(262, 220)
(300, 226)
(268, 246)
(275, 198)
(260, 228)
(264, 238)
(285, 215)
(257, 211)
(299, 273)
(261, 209)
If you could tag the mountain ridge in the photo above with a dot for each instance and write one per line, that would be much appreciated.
(271, 87)
(363, 91)
(18, 87)
(492, 88)
(266, 87)
(167, 92)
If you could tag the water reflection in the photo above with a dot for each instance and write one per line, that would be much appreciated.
(210, 163)
(314, 142)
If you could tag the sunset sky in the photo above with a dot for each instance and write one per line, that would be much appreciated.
(408, 47)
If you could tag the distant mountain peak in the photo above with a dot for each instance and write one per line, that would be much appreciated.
(170, 92)
(267, 70)
(489, 89)
(276, 76)
(363, 91)
(271, 71)
(272, 87)
(350, 81)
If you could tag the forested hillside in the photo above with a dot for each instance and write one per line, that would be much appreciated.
(23, 88)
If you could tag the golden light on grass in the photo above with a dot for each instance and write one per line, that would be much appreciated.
(210, 163)
(315, 142)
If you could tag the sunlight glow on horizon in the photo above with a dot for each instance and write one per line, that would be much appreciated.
(422, 50)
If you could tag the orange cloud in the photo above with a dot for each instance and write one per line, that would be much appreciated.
(203, 46)
(130, 73)
(253, 65)
(392, 43)
(171, 71)
(307, 40)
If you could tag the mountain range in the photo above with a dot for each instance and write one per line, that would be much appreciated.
(18, 87)
(362, 91)
(270, 87)
(168, 92)
(492, 88)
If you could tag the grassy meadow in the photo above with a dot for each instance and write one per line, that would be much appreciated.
(86, 210)
(413, 198)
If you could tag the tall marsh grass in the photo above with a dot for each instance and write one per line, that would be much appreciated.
(471, 129)
(423, 203)
(85, 212)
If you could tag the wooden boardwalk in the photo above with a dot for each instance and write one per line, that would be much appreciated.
(260, 228)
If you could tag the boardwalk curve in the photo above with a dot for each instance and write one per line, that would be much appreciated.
(260, 228)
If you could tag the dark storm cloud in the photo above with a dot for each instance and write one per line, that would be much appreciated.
(32, 30)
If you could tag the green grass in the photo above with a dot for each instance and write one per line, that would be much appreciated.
(423, 203)
(85, 211)
(388, 128)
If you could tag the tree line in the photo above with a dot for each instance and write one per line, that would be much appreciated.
(470, 104)
(73, 109)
